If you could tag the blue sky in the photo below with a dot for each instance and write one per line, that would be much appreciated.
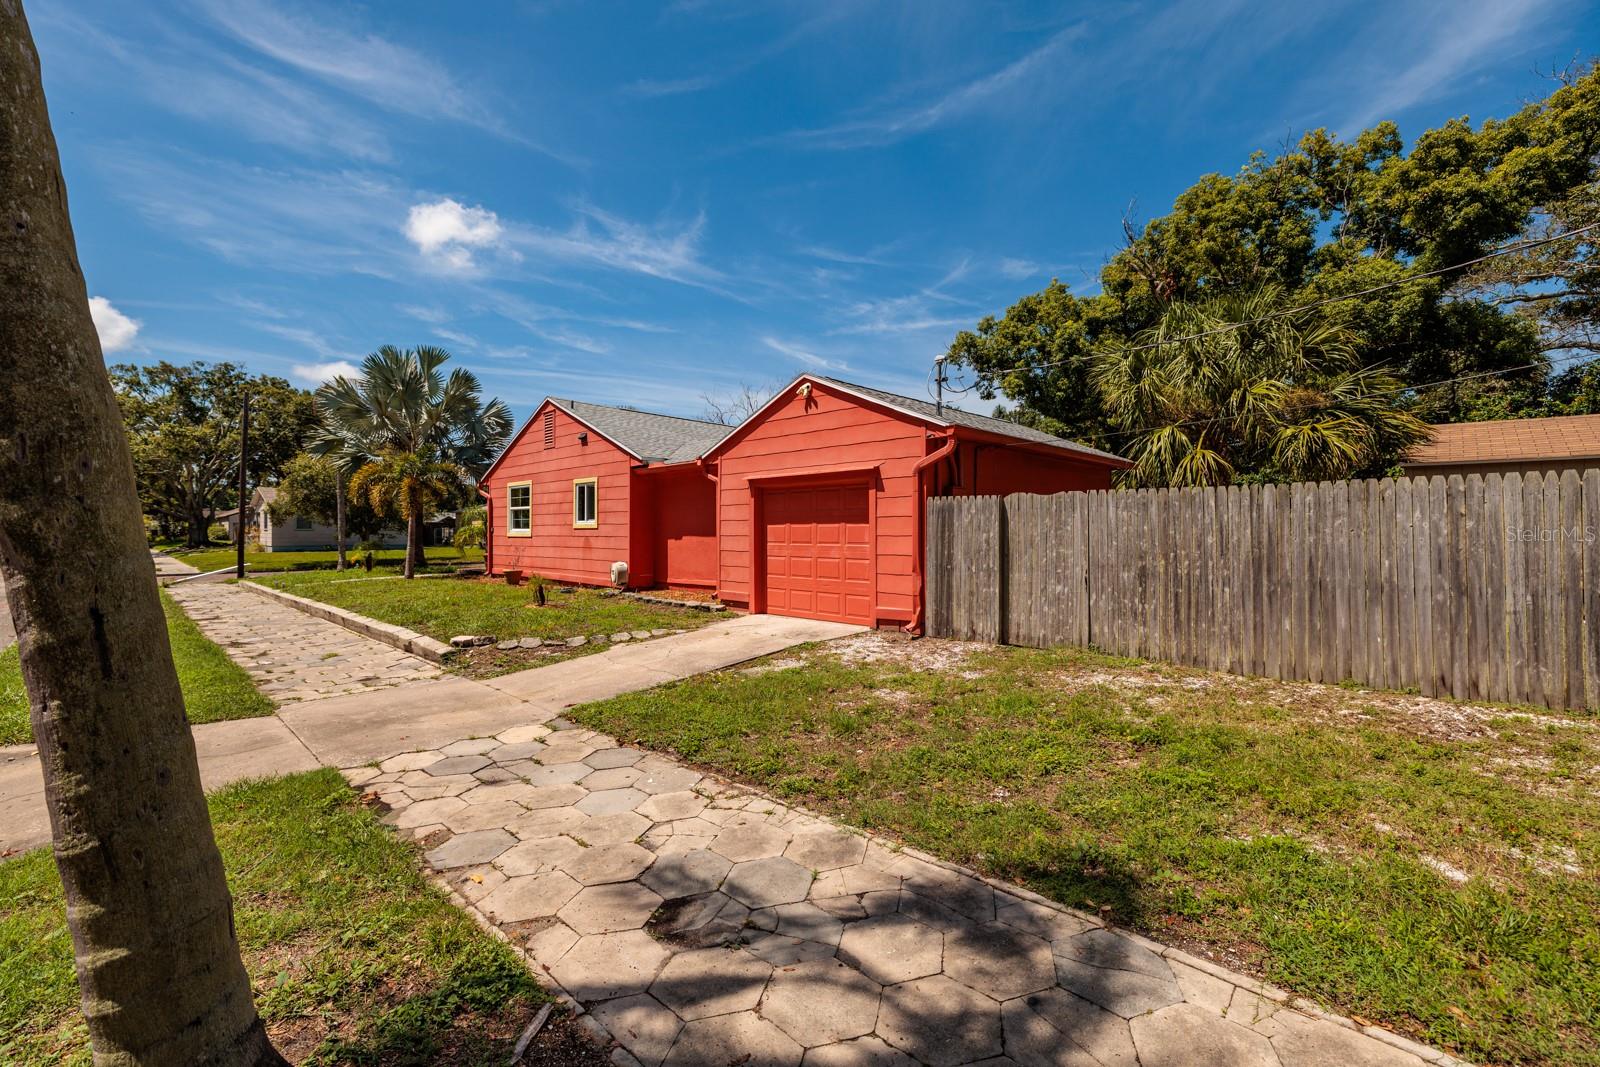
(646, 203)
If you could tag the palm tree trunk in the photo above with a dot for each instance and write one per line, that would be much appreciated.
(147, 903)
(338, 506)
(413, 535)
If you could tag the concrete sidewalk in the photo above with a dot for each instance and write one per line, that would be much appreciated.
(344, 731)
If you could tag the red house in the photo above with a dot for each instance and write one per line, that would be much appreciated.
(813, 506)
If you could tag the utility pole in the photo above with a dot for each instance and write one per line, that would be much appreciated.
(938, 384)
(244, 486)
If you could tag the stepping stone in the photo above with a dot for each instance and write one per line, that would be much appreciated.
(533, 896)
(751, 842)
(943, 1023)
(576, 642)
(826, 850)
(999, 961)
(610, 801)
(821, 1002)
(623, 636)
(641, 635)
(465, 850)
(743, 1038)
(766, 882)
(671, 807)
(872, 1052)
(603, 966)
(641, 1025)
(507, 646)
(530, 642)
(457, 765)
(892, 948)
(687, 874)
(1186, 1033)
(605, 864)
(605, 758)
(609, 909)
(711, 981)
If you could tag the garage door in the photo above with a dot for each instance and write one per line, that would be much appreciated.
(819, 553)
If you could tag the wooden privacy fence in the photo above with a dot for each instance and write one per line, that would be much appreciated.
(1482, 588)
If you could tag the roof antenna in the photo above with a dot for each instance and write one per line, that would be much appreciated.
(938, 385)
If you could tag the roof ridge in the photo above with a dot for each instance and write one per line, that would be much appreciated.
(635, 411)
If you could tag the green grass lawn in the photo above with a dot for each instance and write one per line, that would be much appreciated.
(354, 958)
(445, 607)
(210, 559)
(1398, 859)
(214, 687)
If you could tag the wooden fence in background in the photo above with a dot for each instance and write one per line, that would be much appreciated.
(1482, 588)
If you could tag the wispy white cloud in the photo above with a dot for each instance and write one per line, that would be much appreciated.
(313, 374)
(117, 331)
(653, 87)
(889, 125)
(1017, 269)
(304, 338)
(191, 77)
(1460, 38)
(432, 315)
(391, 75)
(804, 355)
(601, 238)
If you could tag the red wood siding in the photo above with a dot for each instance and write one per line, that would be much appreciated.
(829, 432)
(681, 541)
(554, 549)
(984, 469)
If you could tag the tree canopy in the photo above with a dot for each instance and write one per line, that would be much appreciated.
(183, 426)
(1331, 217)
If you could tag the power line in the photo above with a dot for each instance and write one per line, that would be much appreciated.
(1520, 246)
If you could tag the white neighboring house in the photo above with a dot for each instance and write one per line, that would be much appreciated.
(296, 533)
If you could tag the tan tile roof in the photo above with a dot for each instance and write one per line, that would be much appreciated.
(1511, 440)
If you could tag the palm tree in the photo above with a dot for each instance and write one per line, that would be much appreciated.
(413, 436)
(408, 485)
(1232, 387)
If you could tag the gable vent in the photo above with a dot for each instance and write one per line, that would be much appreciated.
(549, 429)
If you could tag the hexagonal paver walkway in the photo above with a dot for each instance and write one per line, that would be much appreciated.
(291, 655)
(702, 924)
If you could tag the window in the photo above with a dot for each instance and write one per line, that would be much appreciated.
(302, 523)
(519, 510)
(584, 499)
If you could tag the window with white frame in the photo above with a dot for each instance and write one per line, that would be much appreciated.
(519, 509)
(585, 512)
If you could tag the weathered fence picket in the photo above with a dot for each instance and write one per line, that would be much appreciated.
(1481, 588)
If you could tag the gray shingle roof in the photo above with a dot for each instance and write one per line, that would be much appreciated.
(653, 438)
(956, 417)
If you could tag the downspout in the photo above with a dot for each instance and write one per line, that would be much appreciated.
(488, 532)
(923, 465)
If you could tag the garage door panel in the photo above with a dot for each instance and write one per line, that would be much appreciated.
(819, 552)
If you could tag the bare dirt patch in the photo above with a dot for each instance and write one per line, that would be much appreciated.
(905, 652)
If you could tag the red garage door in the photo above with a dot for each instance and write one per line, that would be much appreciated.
(819, 553)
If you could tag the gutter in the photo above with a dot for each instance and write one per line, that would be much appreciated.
(923, 465)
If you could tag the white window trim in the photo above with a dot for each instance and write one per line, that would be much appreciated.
(510, 510)
(594, 521)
